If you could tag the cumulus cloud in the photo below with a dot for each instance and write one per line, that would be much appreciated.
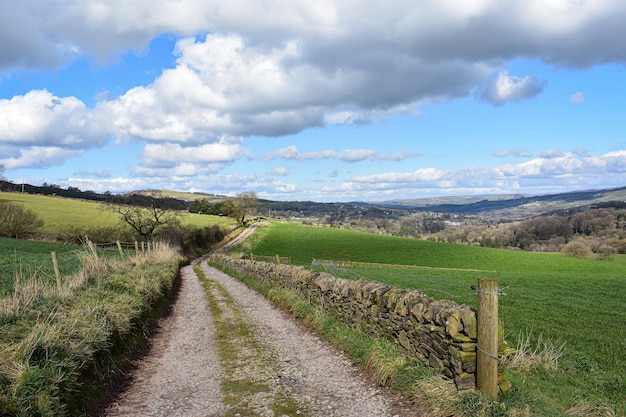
(282, 171)
(39, 129)
(270, 69)
(39, 157)
(168, 154)
(561, 172)
(40, 118)
(562, 32)
(273, 68)
(504, 88)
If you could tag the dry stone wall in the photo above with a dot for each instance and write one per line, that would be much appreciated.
(439, 333)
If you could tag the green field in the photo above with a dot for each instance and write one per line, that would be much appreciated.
(33, 260)
(60, 213)
(581, 303)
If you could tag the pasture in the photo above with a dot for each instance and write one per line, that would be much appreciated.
(32, 260)
(580, 304)
(60, 213)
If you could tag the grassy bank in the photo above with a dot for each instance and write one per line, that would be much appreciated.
(551, 301)
(59, 348)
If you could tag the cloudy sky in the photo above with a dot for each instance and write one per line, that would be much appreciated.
(325, 100)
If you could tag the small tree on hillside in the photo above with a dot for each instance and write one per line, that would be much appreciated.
(144, 220)
(18, 221)
(242, 205)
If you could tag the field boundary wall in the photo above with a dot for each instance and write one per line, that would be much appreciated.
(439, 333)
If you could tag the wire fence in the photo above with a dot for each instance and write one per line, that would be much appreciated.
(454, 284)
(39, 264)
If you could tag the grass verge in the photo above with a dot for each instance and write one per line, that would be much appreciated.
(59, 350)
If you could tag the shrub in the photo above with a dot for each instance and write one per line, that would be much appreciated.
(78, 235)
(606, 253)
(576, 249)
(192, 239)
(18, 221)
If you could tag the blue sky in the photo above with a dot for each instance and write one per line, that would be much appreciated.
(315, 100)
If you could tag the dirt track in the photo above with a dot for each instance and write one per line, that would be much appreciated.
(183, 374)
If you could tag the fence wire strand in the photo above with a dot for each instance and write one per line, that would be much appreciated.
(450, 290)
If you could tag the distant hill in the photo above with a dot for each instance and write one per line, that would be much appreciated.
(518, 206)
(505, 206)
(181, 195)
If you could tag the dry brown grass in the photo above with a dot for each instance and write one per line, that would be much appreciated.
(590, 410)
(30, 288)
(545, 354)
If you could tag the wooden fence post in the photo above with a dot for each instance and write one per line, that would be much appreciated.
(57, 272)
(487, 337)
(119, 248)
(277, 259)
(94, 250)
(136, 248)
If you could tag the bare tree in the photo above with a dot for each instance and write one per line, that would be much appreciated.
(18, 221)
(242, 205)
(144, 220)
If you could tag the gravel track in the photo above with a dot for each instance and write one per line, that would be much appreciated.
(182, 374)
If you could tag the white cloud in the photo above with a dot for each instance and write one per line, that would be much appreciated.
(282, 171)
(564, 173)
(275, 69)
(356, 155)
(40, 118)
(504, 88)
(39, 157)
(552, 153)
(518, 152)
(38, 129)
(347, 155)
(577, 98)
(398, 156)
(169, 154)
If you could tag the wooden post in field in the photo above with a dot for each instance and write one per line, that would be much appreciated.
(136, 248)
(143, 249)
(487, 337)
(94, 250)
(119, 248)
(57, 272)
(277, 259)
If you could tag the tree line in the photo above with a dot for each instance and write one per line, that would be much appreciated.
(600, 230)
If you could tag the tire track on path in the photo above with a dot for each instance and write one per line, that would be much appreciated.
(180, 377)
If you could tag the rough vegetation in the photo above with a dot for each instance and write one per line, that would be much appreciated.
(58, 347)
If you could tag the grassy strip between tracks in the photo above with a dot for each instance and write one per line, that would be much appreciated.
(248, 383)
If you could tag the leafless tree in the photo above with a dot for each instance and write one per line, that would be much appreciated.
(144, 220)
